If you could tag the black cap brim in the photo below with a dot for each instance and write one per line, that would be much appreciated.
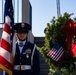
(19, 28)
(22, 31)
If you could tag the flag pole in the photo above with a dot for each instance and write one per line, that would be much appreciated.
(58, 7)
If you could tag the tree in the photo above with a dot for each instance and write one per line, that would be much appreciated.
(54, 32)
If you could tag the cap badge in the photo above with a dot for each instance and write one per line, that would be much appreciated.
(22, 25)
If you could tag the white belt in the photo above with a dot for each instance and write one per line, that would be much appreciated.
(22, 67)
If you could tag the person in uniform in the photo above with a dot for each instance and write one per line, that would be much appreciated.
(26, 60)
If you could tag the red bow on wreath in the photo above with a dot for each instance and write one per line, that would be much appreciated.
(70, 30)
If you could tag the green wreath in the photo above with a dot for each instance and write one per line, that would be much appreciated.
(54, 32)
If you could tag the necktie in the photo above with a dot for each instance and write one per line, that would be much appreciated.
(21, 44)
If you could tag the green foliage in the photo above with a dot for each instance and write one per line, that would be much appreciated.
(53, 33)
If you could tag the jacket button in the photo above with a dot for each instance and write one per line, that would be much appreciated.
(20, 57)
(20, 63)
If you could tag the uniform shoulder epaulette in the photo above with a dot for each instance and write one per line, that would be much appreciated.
(31, 44)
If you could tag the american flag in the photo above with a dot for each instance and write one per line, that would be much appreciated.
(5, 47)
(56, 52)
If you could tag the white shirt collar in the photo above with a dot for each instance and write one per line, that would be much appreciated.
(21, 41)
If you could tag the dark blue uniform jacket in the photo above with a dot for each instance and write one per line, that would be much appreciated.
(24, 58)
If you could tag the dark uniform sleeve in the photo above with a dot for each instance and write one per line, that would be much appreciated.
(36, 63)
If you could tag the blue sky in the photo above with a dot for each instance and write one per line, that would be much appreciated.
(44, 10)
